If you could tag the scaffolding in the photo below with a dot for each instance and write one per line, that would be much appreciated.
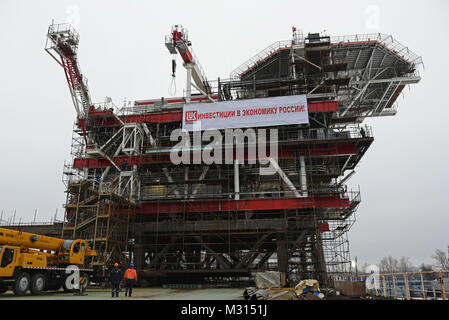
(102, 218)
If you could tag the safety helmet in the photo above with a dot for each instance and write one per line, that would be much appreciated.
(131, 265)
(116, 264)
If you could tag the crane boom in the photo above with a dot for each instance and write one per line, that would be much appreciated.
(177, 42)
(36, 241)
(29, 240)
(62, 45)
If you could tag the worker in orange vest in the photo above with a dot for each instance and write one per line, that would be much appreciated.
(130, 278)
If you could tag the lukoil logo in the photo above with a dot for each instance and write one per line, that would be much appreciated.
(191, 116)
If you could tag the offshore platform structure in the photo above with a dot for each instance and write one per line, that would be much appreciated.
(227, 220)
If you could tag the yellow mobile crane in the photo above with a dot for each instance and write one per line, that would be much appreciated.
(38, 263)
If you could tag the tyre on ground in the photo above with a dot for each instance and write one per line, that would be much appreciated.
(38, 283)
(22, 284)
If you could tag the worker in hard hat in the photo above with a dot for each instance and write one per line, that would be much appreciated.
(115, 277)
(130, 278)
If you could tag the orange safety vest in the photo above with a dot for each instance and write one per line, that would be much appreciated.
(130, 274)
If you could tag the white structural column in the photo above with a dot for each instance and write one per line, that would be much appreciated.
(186, 178)
(148, 133)
(303, 176)
(170, 179)
(236, 180)
(202, 176)
(135, 191)
(284, 177)
(188, 67)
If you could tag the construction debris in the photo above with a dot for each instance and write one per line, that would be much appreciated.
(268, 279)
(309, 285)
(305, 290)
(255, 294)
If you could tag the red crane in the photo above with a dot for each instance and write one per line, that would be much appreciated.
(62, 45)
(177, 42)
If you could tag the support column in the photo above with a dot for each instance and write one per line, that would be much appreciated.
(284, 177)
(282, 254)
(236, 180)
(188, 67)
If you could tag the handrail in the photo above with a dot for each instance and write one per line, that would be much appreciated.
(385, 40)
(410, 285)
(22, 224)
(251, 62)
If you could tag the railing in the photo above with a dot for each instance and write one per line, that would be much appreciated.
(427, 285)
(24, 224)
(288, 135)
(325, 134)
(64, 28)
(178, 191)
(107, 105)
(197, 63)
(386, 40)
(250, 63)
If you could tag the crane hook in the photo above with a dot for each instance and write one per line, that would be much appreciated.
(173, 67)
(172, 88)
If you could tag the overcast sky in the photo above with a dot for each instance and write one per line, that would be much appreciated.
(403, 177)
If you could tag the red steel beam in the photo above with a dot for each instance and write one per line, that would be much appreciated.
(314, 151)
(176, 116)
(177, 206)
(242, 205)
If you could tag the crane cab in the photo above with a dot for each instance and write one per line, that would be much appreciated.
(72, 252)
(8, 260)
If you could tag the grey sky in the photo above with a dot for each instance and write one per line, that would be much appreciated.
(403, 177)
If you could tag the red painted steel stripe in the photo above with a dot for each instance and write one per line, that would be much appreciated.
(242, 205)
(268, 204)
(324, 106)
(315, 151)
(100, 112)
(144, 103)
(175, 101)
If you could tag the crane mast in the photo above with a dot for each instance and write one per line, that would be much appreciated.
(62, 45)
(177, 42)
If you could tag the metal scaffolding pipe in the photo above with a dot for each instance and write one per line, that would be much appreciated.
(303, 176)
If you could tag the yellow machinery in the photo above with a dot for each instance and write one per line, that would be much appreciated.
(37, 263)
